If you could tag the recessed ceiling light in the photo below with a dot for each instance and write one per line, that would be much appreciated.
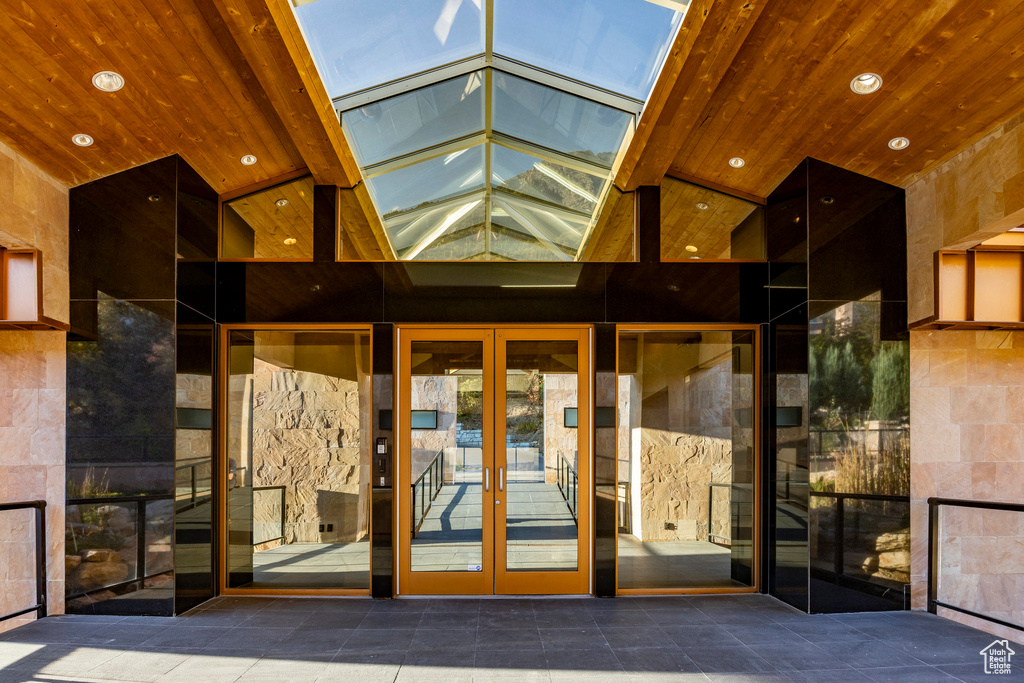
(673, 288)
(828, 199)
(281, 202)
(899, 143)
(691, 248)
(865, 84)
(703, 206)
(248, 160)
(736, 162)
(290, 241)
(108, 81)
(82, 140)
(695, 258)
(153, 197)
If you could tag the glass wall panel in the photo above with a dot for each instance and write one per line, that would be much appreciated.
(358, 45)
(120, 457)
(298, 448)
(618, 45)
(557, 120)
(859, 419)
(701, 224)
(416, 120)
(541, 455)
(686, 463)
(447, 470)
(275, 223)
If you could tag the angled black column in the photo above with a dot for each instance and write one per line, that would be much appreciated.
(382, 517)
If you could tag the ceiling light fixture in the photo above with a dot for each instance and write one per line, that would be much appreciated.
(248, 160)
(153, 197)
(289, 241)
(695, 258)
(82, 140)
(703, 206)
(865, 84)
(737, 162)
(828, 199)
(899, 143)
(281, 202)
(691, 248)
(108, 81)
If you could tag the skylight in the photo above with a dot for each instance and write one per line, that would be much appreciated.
(489, 129)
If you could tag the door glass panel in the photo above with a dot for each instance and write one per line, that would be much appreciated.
(298, 485)
(542, 488)
(446, 460)
(686, 459)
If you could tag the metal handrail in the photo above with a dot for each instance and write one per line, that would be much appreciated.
(194, 499)
(429, 483)
(40, 514)
(140, 534)
(279, 537)
(934, 504)
(568, 485)
(711, 505)
(625, 507)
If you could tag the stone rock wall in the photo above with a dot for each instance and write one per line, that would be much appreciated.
(307, 435)
(438, 393)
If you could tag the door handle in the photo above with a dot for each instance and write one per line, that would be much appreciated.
(487, 479)
(501, 478)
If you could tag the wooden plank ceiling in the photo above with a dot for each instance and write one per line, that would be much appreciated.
(769, 81)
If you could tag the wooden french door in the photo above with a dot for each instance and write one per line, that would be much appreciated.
(493, 460)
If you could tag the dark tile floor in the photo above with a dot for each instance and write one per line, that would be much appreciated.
(718, 638)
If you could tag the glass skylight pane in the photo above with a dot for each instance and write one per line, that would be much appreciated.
(454, 233)
(415, 120)
(557, 120)
(618, 45)
(559, 235)
(429, 181)
(519, 173)
(359, 44)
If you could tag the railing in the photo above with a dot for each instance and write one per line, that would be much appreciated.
(838, 573)
(140, 503)
(933, 552)
(194, 498)
(568, 485)
(280, 530)
(40, 514)
(429, 485)
(711, 506)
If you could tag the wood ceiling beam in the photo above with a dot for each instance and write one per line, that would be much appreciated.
(268, 35)
(711, 36)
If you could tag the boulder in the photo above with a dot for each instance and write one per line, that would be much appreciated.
(894, 560)
(92, 575)
(71, 563)
(97, 555)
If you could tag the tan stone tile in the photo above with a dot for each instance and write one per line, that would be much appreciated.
(978, 405)
(948, 368)
(999, 481)
(945, 479)
(994, 339)
(935, 443)
(1002, 523)
(6, 407)
(1015, 404)
(929, 405)
(29, 481)
(15, 446)
(995, 367)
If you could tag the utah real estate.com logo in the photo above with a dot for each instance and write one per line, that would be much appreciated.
(997, 657)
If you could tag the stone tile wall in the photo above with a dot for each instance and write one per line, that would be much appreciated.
(967, 441)
(32, 388)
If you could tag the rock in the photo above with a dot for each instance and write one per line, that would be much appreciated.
(99, 556)
(117, 519)
(899, 540)
(870, 564)
(91, 575)
(71, 563)
(894, 560)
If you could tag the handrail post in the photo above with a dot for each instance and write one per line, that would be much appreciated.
(140, 543)
(933, 563)
(840, 541)
(41, 559)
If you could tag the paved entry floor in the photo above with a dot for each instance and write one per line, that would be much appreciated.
(541, 532)
(741, 638)
(673, 564)
(312, 565)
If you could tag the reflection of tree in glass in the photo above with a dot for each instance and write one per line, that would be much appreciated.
(122, 384)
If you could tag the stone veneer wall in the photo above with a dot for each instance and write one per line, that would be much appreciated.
(438, 393)
(32, 389)
(560, 392)
(307, 436)
(967, 441)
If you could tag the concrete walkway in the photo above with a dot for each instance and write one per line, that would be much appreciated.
(748, 638)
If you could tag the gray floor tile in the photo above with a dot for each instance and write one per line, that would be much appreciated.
(636, 636)
(908, 674)
(508, 639)
(576, 660)
(793, 656)
(869, 654)
(655, 659)
(445, 640)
